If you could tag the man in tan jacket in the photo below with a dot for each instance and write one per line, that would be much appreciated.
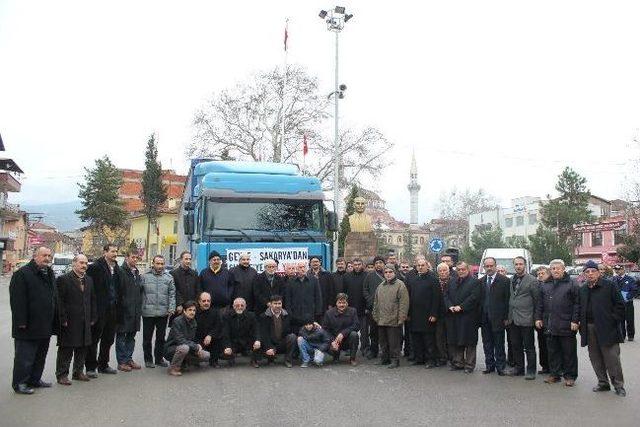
(390, 308)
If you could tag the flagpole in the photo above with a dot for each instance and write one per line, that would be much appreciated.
(284, 87)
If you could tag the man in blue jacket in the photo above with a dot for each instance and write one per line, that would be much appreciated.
(629, 289)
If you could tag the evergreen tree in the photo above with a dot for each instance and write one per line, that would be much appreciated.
(408, 248)
(345, 228)
(102, 208)
(154, 192)
(545, 246)
(480, 240)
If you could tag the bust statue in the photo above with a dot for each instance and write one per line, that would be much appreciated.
(360, 222)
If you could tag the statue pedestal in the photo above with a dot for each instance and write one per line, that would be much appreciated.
(360, 245)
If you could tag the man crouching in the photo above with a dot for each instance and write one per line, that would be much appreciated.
(181, 346)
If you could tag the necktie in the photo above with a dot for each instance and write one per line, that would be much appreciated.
(489, 280)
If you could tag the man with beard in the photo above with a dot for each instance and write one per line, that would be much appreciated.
(209, 329)
(267, 284)
(325, 281)
(186, 281)
(424, 307)
(354, 289)
(240, 334)
(462, 300)
(128, 312)
(369, 287)
(558, 312)
(244, 275)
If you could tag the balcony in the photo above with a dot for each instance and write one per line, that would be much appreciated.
(9, 211)
(8, 183)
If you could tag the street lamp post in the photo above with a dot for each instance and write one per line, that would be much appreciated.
(335, 19)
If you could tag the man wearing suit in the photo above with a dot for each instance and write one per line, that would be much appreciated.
(524, 297)
(495, 312)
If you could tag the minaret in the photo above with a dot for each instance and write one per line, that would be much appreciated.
(414, 188)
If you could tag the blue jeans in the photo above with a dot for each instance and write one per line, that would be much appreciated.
(308, 350)
(493, 345)
(125, 344)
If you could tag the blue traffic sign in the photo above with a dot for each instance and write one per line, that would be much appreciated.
(436, 245)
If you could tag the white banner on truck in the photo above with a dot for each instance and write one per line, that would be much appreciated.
(284, 256)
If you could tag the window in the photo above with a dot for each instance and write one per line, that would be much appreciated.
(508, 222)
(533, 218)
(399, 239)
(422, 240)
(519, 220)
(175, 227)
(596, 238)
(618, 236)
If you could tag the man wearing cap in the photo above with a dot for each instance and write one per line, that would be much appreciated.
(369, 287)
(629, 289)
(218, 282)
(601, 309)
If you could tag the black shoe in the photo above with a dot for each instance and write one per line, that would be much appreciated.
(394, 364)
(514, 373)
(147, 364)
(621, 392)
(468, 370)
(530, 376)
(162, 363)
(629, 339)
(92, 374)
(383, 362)
(500, 372)
(601, 387)
(23, 389)
(107, 370)
(288, 363)
(456, 368)
(544, 372)
(488, 371)
(40, 384)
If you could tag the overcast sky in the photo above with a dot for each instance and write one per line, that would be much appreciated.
(494, 94)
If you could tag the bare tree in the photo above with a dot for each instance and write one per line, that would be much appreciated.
(458, 205)
(245, 123)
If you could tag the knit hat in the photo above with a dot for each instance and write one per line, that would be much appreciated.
(214, 254)
(590, 264)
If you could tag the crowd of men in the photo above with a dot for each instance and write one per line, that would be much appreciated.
(383, 308)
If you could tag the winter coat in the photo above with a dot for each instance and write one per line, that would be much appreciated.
(424, 300)
(32, 298)
(626, 283)
(239, 330)
(558, 306)
(187, 284)
(105, 284)
(523, 300)
(303, 300)
(327, 288)
(159, 294)
(391, 303)
(268, 339)
(338, 281)
(182, 332)
(220, 285)
(317, 338)
(263, 289)
(462, 327)
(209, 323)
(77, 309)
(129, 304)
(443, 290)
(344, 323)
(607, 309)
(371, 282)
(495, 301)
(244, 277)
(353, 286)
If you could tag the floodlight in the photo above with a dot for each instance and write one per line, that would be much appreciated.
(322, 14)
(339, 9)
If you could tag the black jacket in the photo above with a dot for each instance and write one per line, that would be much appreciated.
(302, 299)
(338, 278)
(607, 310)
(244, 277)
(77, 309)
(32, 298)
(239, 330)
(462, 327)
(341, 323)
(104, 283)
(263, 290)
(327, 288)
(187, 283)
(209, 323)
(318, 338)
(129, 304)
(268, 339)
(220, 285)
(498, 300)
(559, 305)
(424, 300)
(353, 284)
(371, 282)
(182, 332)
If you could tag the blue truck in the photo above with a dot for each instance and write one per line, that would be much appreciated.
(268, 210)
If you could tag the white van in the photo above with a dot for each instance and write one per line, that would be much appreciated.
(61, 263)
(505, 256)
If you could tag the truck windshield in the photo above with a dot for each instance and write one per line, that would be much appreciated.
(290, 215)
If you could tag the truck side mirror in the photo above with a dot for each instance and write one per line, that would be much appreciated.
(187, 219)
(332, 221)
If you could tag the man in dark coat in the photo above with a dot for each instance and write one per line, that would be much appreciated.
(267, 284)
(209, 330)
(338, 275)
(181, 347)
(601, 309)
(244, 275)
(77, 312)
(444, 281)
(495, 314)
(105, 275)
(542, 275)
(424, 308)
(341, 322)
(629, 288)
(462, 299)
(353, 285)
(276, 334)
(369, 286)
(186, 281)
(240, 334)
(218, 282)
(128, 312)
(32, 298)
(558, 312)
(302, 298)
(325, 281)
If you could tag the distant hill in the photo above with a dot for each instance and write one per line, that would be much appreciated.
(60, 215)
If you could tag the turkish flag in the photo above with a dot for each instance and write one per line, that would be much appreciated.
(305, 147)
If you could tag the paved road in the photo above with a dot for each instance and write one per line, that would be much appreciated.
(337, 395)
